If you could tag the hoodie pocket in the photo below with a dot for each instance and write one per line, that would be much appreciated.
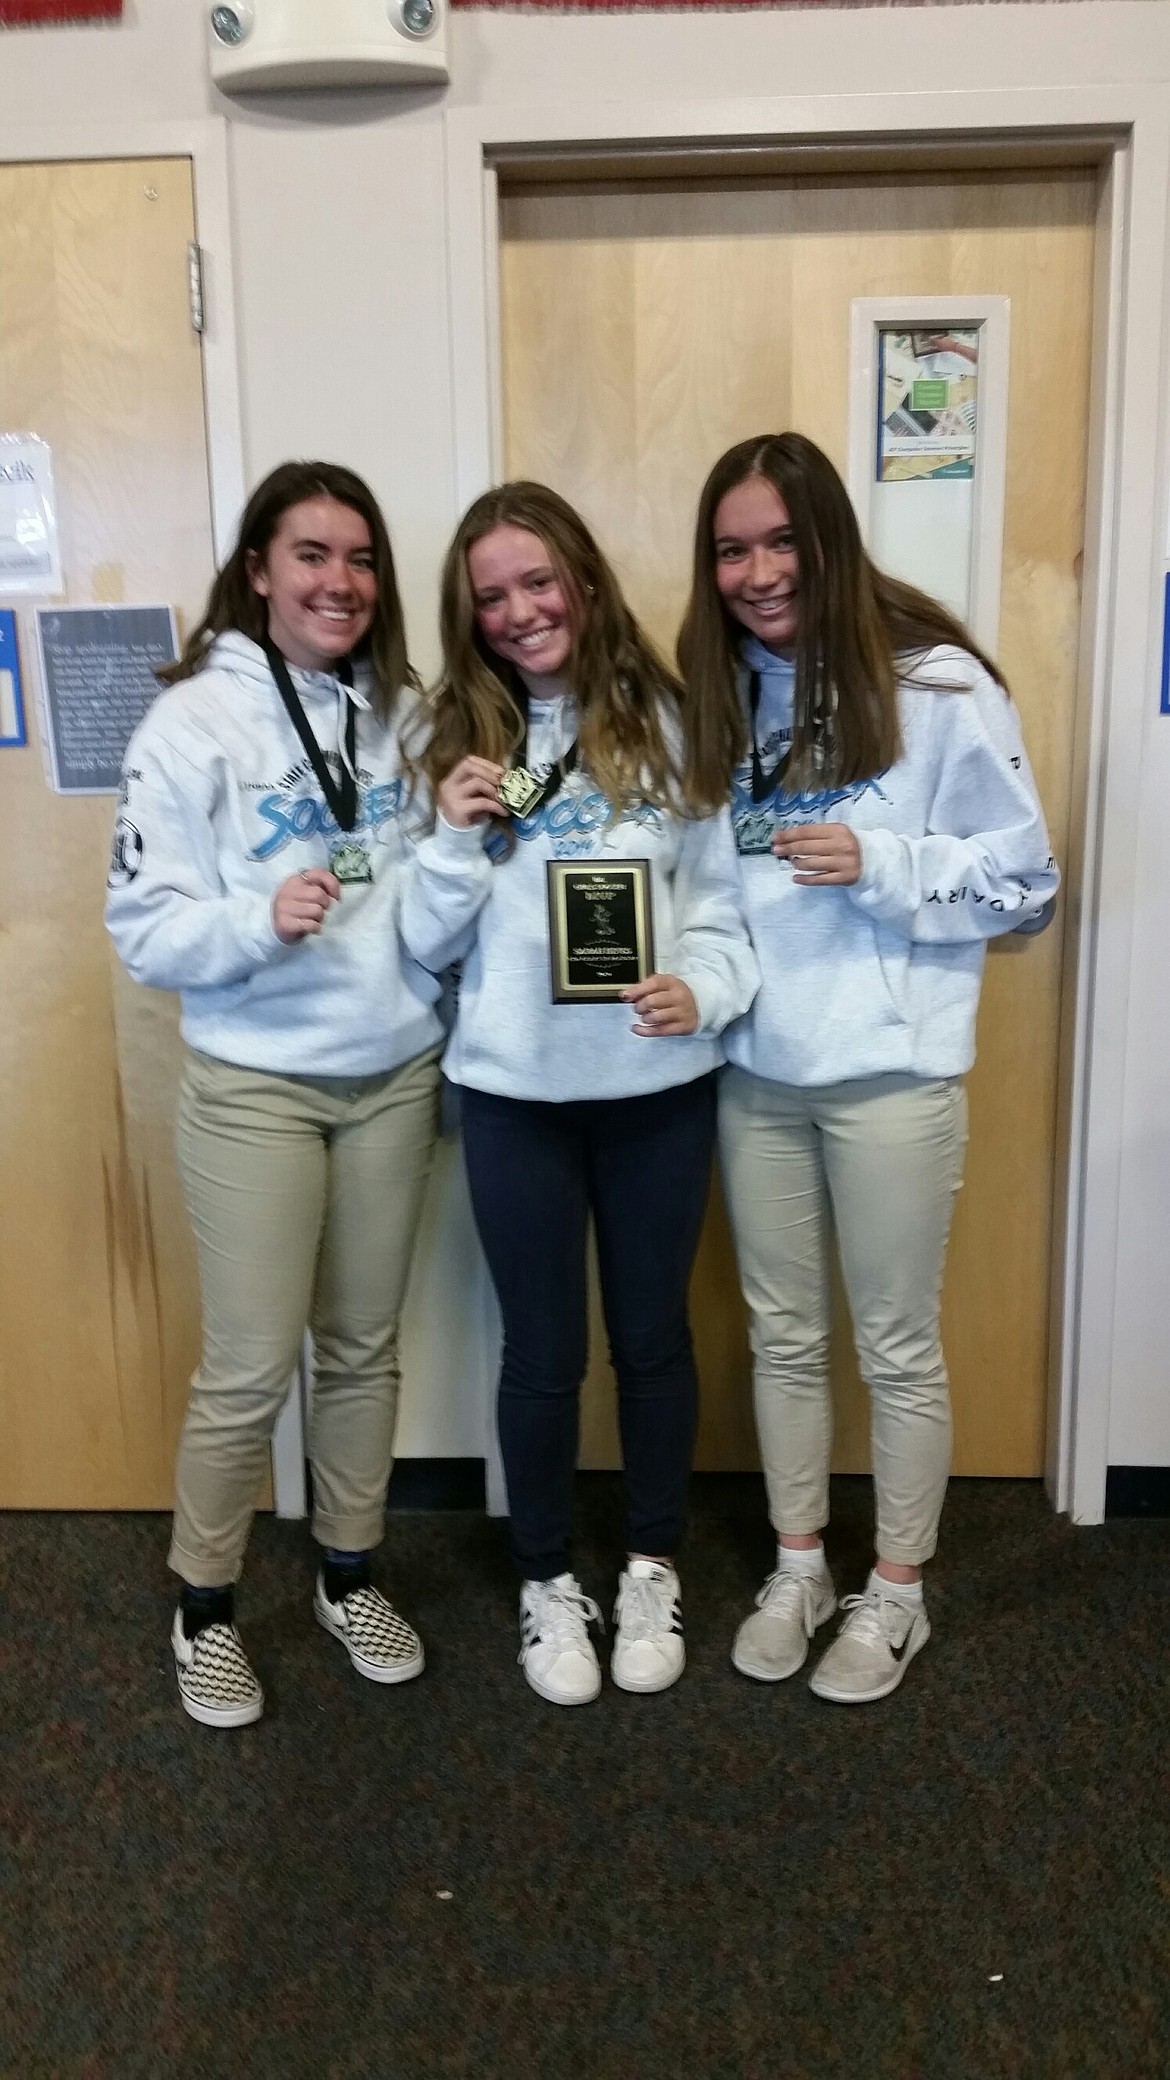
(892, 965)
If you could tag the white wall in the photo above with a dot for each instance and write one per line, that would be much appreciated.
(1139, 1423)
(342, 303)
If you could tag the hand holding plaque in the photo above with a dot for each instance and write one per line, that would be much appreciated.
(664, 1007)
(601, 928)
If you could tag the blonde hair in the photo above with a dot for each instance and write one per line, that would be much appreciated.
(626, 694)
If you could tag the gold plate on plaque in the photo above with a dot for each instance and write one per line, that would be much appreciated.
(601, 928)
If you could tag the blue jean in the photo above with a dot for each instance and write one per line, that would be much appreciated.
(642, 1167)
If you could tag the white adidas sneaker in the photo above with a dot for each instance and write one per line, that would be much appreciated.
(381, 1645)
(556, 1652)
(217, 1683)
(648, 1650)
(878, 1640)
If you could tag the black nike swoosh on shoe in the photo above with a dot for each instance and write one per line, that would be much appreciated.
(899, 1653)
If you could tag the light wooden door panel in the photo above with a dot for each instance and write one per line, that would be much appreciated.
(98, 1288)
(644, 330)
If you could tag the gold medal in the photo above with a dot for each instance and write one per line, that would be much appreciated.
(519, 790)
(350, 862)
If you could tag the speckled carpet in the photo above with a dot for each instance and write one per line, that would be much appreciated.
(453, 1878)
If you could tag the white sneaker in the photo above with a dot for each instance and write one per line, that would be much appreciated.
(773, 1642)
(381, 1645)
(556, 1652)
(648, 1650)
(217, 1683)
(871, 1653)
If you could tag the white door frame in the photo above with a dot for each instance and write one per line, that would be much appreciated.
(1125, 129)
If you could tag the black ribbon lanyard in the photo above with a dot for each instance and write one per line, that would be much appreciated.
(342, 800)
(563, 766)
(762, 783)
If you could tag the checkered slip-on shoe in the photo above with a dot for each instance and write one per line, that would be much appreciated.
(217, 1683)
(381, 1645)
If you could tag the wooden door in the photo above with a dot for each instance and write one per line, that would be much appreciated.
(645, 329)
(98, 1290)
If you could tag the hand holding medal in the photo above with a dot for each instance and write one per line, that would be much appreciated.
(471, 792)
(300, 903)
(825, 855)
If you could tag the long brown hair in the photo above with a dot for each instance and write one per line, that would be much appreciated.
(232, 602)
(627, 696)
(859, 630)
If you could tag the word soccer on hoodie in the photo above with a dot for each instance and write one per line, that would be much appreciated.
(219, 805)
(509, 1037)
(883, 977)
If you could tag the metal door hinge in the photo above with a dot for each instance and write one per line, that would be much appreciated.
(195, 285)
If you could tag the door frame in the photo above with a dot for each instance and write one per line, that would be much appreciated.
(1124, 131)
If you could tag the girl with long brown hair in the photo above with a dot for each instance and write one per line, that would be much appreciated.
(887, 826)
(265, 820)
(573, 1109)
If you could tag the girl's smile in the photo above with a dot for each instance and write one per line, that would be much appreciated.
(757, 569)
(521, 606)
(318, 578)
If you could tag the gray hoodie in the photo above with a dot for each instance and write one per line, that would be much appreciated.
(883, 976)
(509, 1036)
(219, 805)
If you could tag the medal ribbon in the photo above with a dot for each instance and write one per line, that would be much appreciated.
(762, 782)
(564, 765)
(343, 800)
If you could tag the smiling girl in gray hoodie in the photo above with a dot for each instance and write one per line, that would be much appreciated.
(264, 825)
(887, 827)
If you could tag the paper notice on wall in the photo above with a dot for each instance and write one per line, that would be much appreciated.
(97, 682)
(30, 558)
(927, 395)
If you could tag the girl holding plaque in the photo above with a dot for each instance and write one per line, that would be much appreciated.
(582, 870)
(888, 827)
(264, 825)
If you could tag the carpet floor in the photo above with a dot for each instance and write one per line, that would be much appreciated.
(969, 1881)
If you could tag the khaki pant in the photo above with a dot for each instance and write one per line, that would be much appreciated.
(304, 1194)
(881, 1159)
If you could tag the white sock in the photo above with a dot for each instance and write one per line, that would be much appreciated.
(801, 1559)
(641, 1570)
(909, 1593)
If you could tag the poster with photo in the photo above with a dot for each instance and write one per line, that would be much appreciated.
(927, 400)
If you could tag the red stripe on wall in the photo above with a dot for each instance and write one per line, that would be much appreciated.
(13, 12)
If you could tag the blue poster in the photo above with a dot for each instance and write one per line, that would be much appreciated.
(12, 730)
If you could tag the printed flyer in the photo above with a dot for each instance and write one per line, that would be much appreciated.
(927, 393)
